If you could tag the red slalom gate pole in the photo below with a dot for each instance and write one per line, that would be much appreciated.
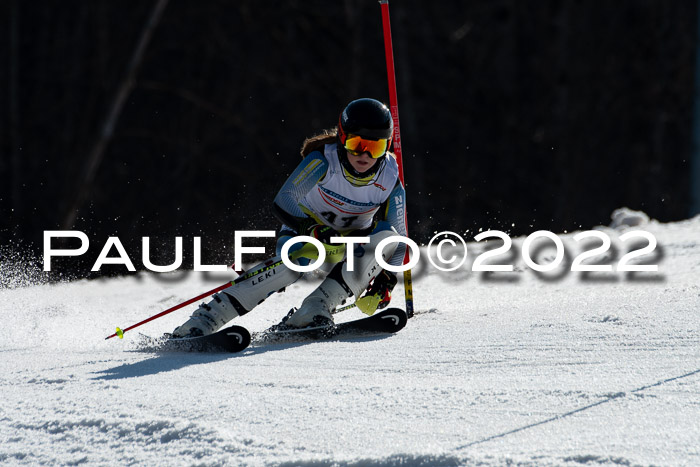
(394, 107)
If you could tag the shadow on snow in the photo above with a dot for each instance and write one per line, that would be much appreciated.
(170, 360)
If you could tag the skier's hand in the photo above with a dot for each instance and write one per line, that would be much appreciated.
(385, 282)
(322, 233)
(378, 294)
(310, 226)
(335, 252)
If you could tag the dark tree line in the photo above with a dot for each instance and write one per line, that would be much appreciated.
(515, 115)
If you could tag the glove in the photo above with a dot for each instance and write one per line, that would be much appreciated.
(378, 294)
(335, 253)
(310, 226)
(322, 233)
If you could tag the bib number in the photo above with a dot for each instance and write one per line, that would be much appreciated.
(345, 222)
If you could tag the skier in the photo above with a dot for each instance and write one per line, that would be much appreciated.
(346, 185)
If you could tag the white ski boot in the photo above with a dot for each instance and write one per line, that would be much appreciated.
(238, 299)
(342, 284)
(209, 317)
(316, 308)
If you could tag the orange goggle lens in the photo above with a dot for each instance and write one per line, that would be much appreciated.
(356, 145)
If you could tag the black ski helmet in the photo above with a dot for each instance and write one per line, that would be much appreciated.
(368, 118)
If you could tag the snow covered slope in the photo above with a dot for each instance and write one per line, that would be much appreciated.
(492, 370)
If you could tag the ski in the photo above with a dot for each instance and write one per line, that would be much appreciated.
(231, 339)
(387, 321)
(237, 338)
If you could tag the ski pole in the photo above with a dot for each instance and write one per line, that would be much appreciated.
(302, 252)
(247, 275)
(120, 332)
(393, 102)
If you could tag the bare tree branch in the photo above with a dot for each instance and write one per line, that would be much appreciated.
(96, 155)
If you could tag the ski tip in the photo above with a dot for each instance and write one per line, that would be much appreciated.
(396, 316)
(120, 333)
(237, 338)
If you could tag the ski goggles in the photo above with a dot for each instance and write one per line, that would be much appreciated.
(356, 145)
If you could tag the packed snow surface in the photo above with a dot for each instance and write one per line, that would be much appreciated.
(516, 368)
